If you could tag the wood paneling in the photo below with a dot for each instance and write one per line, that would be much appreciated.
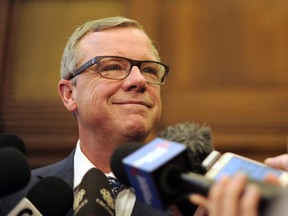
(4, 18)
(229, 66)
(47, 129)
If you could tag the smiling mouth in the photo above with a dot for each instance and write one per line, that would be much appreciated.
(134, 103)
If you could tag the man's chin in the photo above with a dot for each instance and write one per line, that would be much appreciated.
(137, 133)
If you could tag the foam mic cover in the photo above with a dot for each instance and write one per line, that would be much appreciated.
(198, 140)
(49, 196)
(93, 196)
(14, 171)
(14, 141)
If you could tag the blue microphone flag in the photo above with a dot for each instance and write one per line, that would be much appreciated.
(144, 165)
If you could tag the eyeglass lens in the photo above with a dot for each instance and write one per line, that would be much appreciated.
(119, 68)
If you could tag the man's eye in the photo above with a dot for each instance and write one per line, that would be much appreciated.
(111, 68)
(149, 70)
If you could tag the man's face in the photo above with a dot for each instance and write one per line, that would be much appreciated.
(129, 107)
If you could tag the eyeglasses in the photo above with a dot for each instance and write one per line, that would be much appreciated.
(118, 68)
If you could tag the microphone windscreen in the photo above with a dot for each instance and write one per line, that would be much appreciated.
(11, 140)
(51, 196)
(14, 171)
(116, 160)
(93, 196)
(198, 140)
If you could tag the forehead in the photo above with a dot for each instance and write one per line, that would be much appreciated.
(128, 42)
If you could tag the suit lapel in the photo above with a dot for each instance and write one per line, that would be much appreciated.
(63, 169)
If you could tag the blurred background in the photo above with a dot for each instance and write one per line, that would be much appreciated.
(228, 60)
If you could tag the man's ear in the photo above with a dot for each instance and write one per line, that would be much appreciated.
(65, 90)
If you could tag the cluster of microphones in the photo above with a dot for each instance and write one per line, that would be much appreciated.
(49, 196)
(162, 173)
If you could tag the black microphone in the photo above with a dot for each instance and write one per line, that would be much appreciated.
(14, 171)
(199, 142)
(153, 170)
(93, 196)
(49, 196)
(197, 138)
(14, 141)
(159, 174)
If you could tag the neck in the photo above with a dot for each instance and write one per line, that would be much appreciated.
(99, 151)
(98, 155)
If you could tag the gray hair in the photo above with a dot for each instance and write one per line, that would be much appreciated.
(72, 53)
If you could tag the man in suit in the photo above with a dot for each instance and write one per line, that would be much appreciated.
(111, 76)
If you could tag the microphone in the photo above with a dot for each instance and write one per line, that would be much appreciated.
(14, 141)
(49, 196)
(159, 174)
(198, 140)
(93, 196)
(148, 169)
(14, 171)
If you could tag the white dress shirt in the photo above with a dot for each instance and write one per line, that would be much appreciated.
(125, 199)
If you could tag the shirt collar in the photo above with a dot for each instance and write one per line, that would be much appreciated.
(81, 165)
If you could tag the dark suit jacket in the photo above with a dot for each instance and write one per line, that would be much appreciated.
(65, 170)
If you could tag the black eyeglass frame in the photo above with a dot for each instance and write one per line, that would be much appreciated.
(138, 63)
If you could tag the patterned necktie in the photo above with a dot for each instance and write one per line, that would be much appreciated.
(116, 186)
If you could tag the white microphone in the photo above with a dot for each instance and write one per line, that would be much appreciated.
(24, 208)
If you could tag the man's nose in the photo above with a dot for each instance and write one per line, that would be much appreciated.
(135, 80)
(136, 74)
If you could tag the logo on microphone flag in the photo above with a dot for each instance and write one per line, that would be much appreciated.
(143, 165)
